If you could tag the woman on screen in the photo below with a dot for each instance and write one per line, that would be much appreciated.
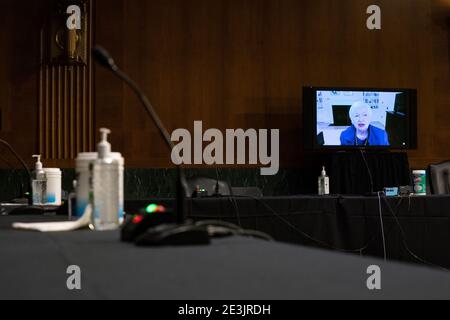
(362, 133)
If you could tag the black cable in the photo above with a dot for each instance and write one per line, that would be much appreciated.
(379, 202)
(22, 162)
(217, 222)
(217, 186)
(6, 162)
(374, 236)
(230, 198)
(382, 227)
(236, 209)
(323, 244)
(368, 170)
(360, 250)
(22, 191)
(254, 234)
(405, 243)
(222, 228)
(17, 156)
(447, 181)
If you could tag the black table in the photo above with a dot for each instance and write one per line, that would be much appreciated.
(33, 266)
(338, 222)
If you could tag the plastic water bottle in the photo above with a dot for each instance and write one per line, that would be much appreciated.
(324, 183)
(39, 183)
(106, 191)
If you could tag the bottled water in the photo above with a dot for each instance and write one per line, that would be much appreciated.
(106, 187)
(39, 192)
(324, 183)
(39, 183)
(107, 211)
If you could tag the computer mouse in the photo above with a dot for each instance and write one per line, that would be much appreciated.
(136, 225)
(174, 235)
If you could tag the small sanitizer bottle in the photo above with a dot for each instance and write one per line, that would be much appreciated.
(39, 183)
(324, 183)
(105, 173)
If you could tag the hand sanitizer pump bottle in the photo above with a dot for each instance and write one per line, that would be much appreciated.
(39, 183)
(324, 183)
(105, 173)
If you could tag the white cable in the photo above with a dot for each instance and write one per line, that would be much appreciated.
(409, 203)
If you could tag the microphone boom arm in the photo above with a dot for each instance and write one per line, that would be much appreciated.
(106, 61)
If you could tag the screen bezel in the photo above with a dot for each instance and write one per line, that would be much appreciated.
(310, 118)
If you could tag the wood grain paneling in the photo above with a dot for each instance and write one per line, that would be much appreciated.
(66, 123)
(19, 59)
(231, 64)
(66, 109)
(45, 107)
(242, 64)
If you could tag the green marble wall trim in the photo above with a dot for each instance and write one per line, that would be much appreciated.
(147, 183)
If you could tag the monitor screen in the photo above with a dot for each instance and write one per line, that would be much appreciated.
(346, 118)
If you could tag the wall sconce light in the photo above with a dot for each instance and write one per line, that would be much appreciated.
(62, 45)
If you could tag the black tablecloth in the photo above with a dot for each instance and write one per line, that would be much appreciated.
(33, 266)
(349, 174)
(338, 222)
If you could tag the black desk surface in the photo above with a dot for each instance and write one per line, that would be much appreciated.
(33, 266)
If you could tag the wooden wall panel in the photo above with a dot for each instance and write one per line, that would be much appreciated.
(230, 63)
(19, 62)
(440, 129)
(45, 107)
(66, 123)
(109, 91)
(66, 109)
(242, 64)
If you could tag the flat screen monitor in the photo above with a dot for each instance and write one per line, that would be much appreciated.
(343, 118)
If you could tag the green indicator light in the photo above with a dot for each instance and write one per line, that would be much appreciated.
(152, 208)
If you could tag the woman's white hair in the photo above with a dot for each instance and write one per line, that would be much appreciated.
(358, 105)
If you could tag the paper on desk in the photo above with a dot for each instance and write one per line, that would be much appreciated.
(81, 223)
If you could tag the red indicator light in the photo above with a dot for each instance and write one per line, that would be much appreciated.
(137, 219)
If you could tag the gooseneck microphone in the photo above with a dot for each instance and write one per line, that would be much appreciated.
(105, 60)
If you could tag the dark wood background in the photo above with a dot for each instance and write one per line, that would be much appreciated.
(236, 64)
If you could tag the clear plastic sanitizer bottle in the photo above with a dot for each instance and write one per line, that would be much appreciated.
(324, 183)
(39, 183)
(105, 173)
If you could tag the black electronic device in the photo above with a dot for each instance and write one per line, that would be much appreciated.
(405, 191)
(200, 192)
(337, 118)
(174, 235)
(150, 217)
